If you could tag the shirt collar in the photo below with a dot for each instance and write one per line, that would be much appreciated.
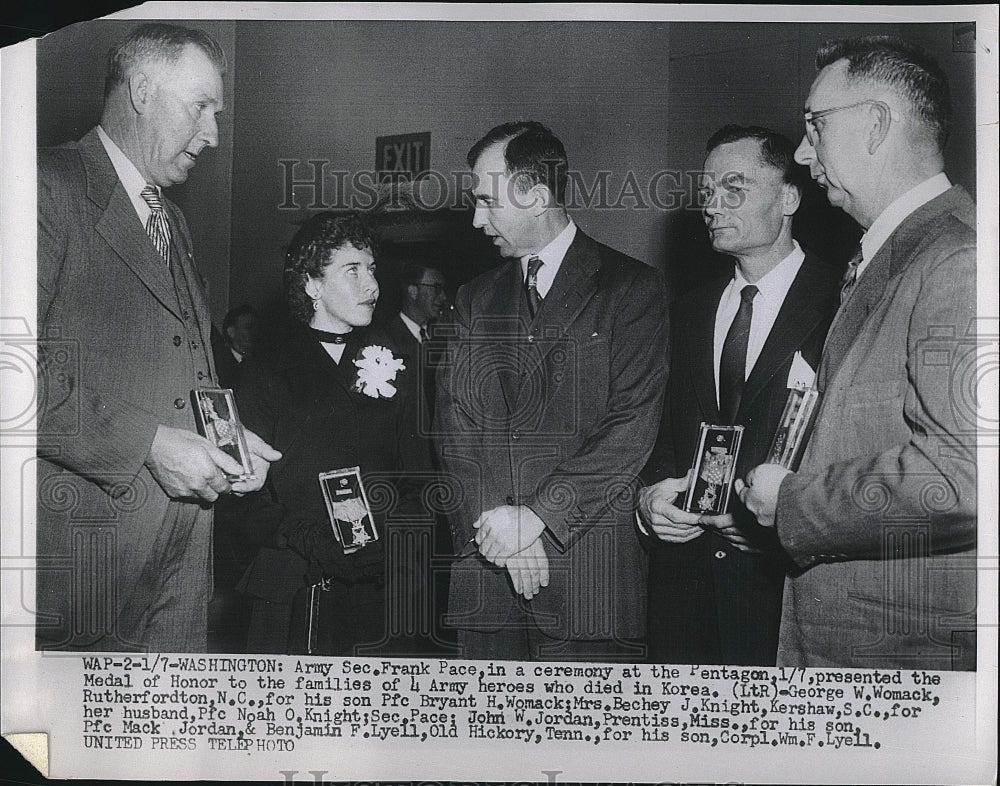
(412, 326)
(552, 255)
(896, 213)
(128, 175)
(777, 280)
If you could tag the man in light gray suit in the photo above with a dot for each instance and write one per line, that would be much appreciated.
(880, 519)
(125, 484)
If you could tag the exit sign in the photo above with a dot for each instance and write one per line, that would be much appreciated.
(403, 156)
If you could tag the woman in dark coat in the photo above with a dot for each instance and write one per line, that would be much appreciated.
(332, 397)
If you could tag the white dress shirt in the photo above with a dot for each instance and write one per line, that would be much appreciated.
(552, 256)
(771, 291)
(896, 213)
(128, 176)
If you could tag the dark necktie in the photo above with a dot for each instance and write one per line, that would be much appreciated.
(850, 275)
(157, 226)
(423, 333)
(732, 365)
(531, 286)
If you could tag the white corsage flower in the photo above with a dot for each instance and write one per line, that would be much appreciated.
(377, 369)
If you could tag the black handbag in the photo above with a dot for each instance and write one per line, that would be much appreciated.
(333, 617)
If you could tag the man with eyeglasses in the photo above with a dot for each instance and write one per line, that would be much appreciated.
(423, 298)
(880, 518)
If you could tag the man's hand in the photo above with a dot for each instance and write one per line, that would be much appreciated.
(262, 455)
(659, 513)
(760, 492)
(506, 530)
(725, 525)
(188, 466)
(529, 569)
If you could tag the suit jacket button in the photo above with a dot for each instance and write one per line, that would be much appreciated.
(720, 554)
(179, 403)
(202, 375)
(186, 314)
(177, 341)
(510, 500)
(515, 435)
(530, 338)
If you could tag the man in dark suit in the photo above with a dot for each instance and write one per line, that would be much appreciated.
(715, 581)
(423, 299)
(546, 410)
(234, 343)
(125, 484)
(880, 519)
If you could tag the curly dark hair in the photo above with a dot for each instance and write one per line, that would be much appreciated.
(311, 250)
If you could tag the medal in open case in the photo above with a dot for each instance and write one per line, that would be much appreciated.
(714, 469)
(219, 423)
(348, 508)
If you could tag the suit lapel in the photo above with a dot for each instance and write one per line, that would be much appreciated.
(505, 318)
(400, 333)
(119, 225)
(799, 315)
(887, 263)
(702, 352)
(183, 264)
(572, 288)
(853, 313)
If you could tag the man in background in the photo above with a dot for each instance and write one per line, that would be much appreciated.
(238, 338)
(127, 565)
(737, 345)
(880, 519)
(423, 299)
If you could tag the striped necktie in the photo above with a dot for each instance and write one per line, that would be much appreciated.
(157, 226)
(850, 275)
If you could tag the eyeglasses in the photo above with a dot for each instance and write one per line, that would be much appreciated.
(812, 133)
(436, 287)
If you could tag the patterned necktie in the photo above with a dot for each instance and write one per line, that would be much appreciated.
(157, 226)
(850, 275)
(531, 286)
(733, 364)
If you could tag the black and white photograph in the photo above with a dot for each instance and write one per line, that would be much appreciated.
(617, 393)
